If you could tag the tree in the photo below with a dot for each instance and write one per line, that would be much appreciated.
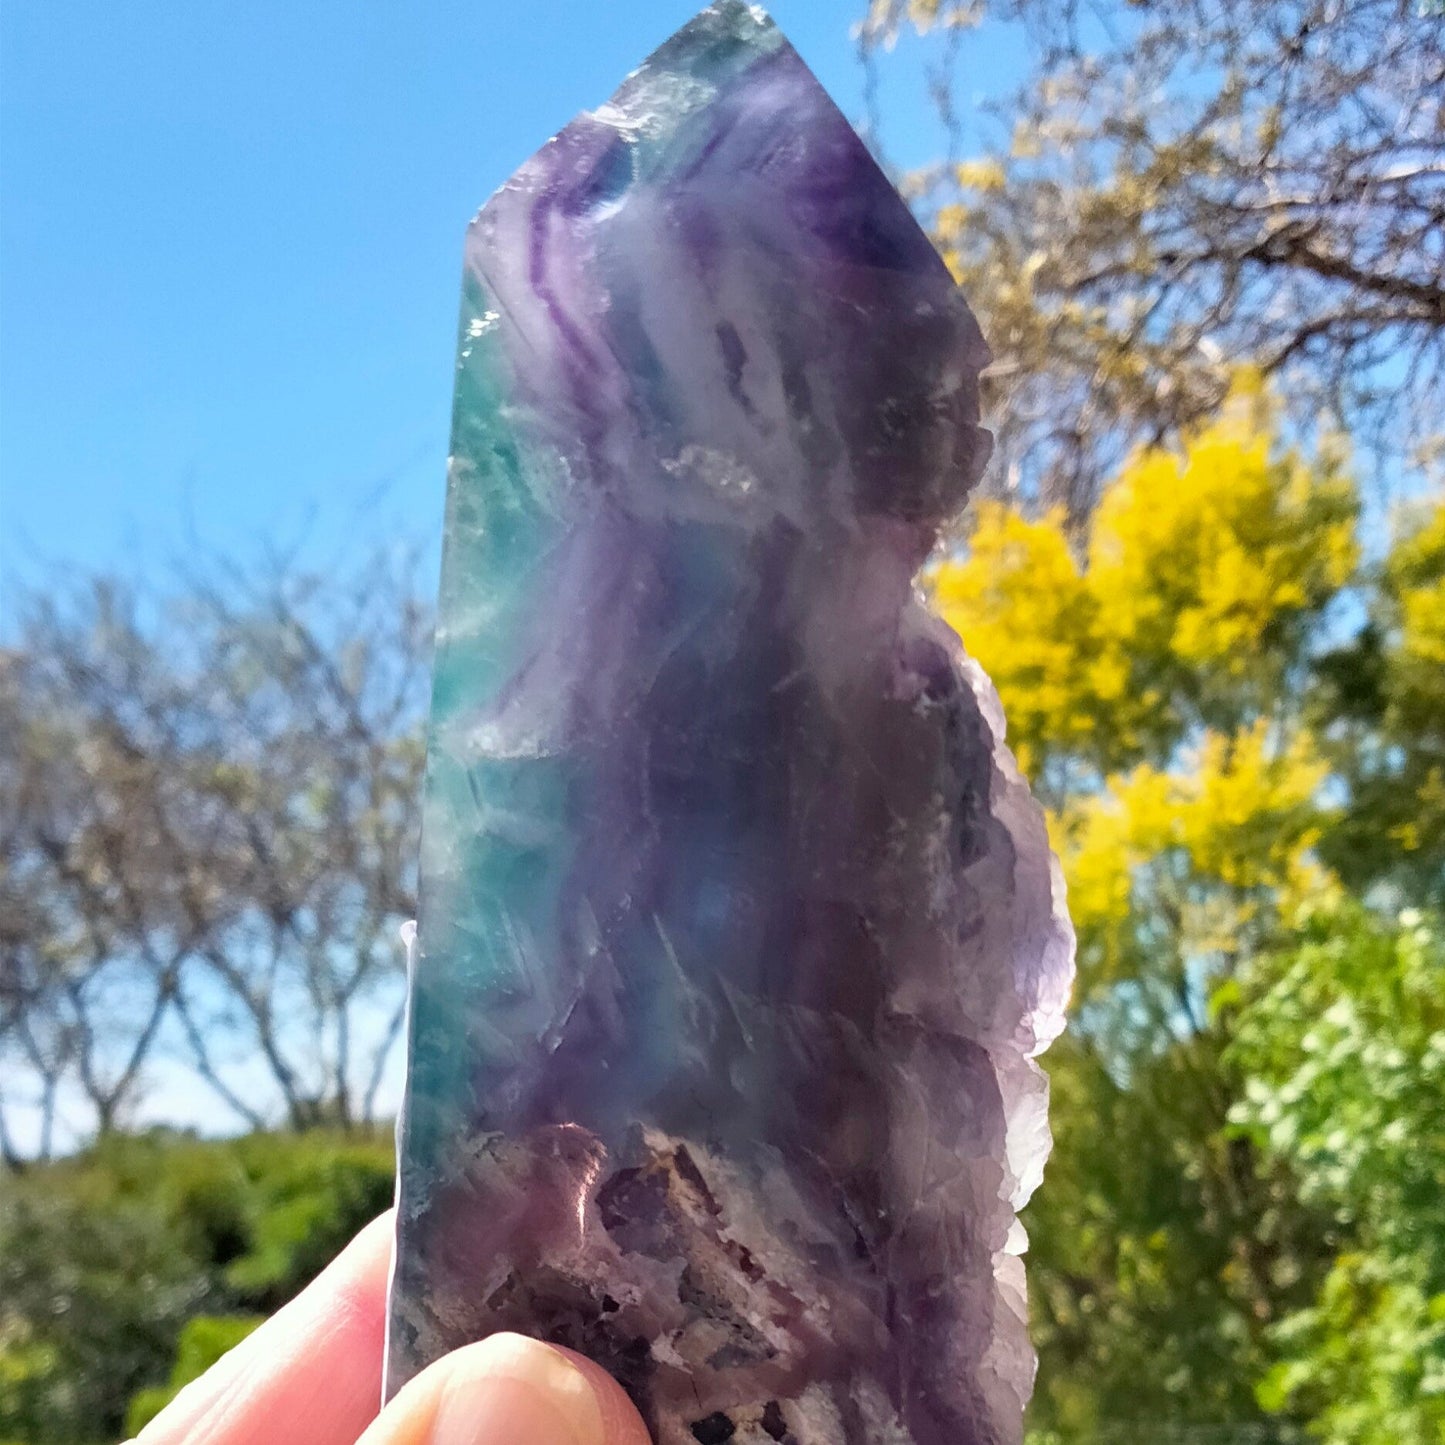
(1341, 1040)
(1181, 186)
(134, 1262)
(1383, 694)
(316, 691)
(212, 836)
(1205, 580)
(1166, 686)
(89, 968)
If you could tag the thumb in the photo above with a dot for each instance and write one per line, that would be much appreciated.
(509, 1390)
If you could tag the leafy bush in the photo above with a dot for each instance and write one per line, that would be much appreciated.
(126, 1270)
(203, 1341)
(310, 1193)
(1343, 1043)
(93, 1294)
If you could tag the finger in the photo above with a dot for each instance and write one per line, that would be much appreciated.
(509, 1390)
(311, 1375)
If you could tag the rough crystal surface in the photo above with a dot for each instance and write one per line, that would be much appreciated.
(739, 929)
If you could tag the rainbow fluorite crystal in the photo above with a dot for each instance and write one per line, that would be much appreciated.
(739, 929)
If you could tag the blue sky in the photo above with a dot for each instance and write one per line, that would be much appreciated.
(230, 253)
(230, 243)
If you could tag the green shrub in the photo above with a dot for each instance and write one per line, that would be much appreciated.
(92, 1300)
(127, 1269)
(203, 1341)
(311, 1193)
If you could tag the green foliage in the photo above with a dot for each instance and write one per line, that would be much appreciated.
(93, 1294)
(1242, 1230)
(1139, 1302)
(1384, 693)
(1342, 1045)
(1364, 1363)
(311, 1194)
(203, 1341)
(123, 1269)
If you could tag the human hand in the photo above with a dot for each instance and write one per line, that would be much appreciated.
(311, 1375)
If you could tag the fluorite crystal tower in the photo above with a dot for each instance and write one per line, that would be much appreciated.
(738, 928)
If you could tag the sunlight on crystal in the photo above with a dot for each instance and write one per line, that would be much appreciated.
(739, 928)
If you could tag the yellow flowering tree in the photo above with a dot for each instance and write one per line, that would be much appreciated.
(1155, 680)
(1176, 687)
(1192, 605)
(1195, 864)
(1383, 695)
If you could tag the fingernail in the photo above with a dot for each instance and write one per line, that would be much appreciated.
(510, 1390)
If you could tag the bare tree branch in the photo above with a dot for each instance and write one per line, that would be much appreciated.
(210, 831)
(1183, 186)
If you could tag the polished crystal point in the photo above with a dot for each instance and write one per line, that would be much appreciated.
(739, 929)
